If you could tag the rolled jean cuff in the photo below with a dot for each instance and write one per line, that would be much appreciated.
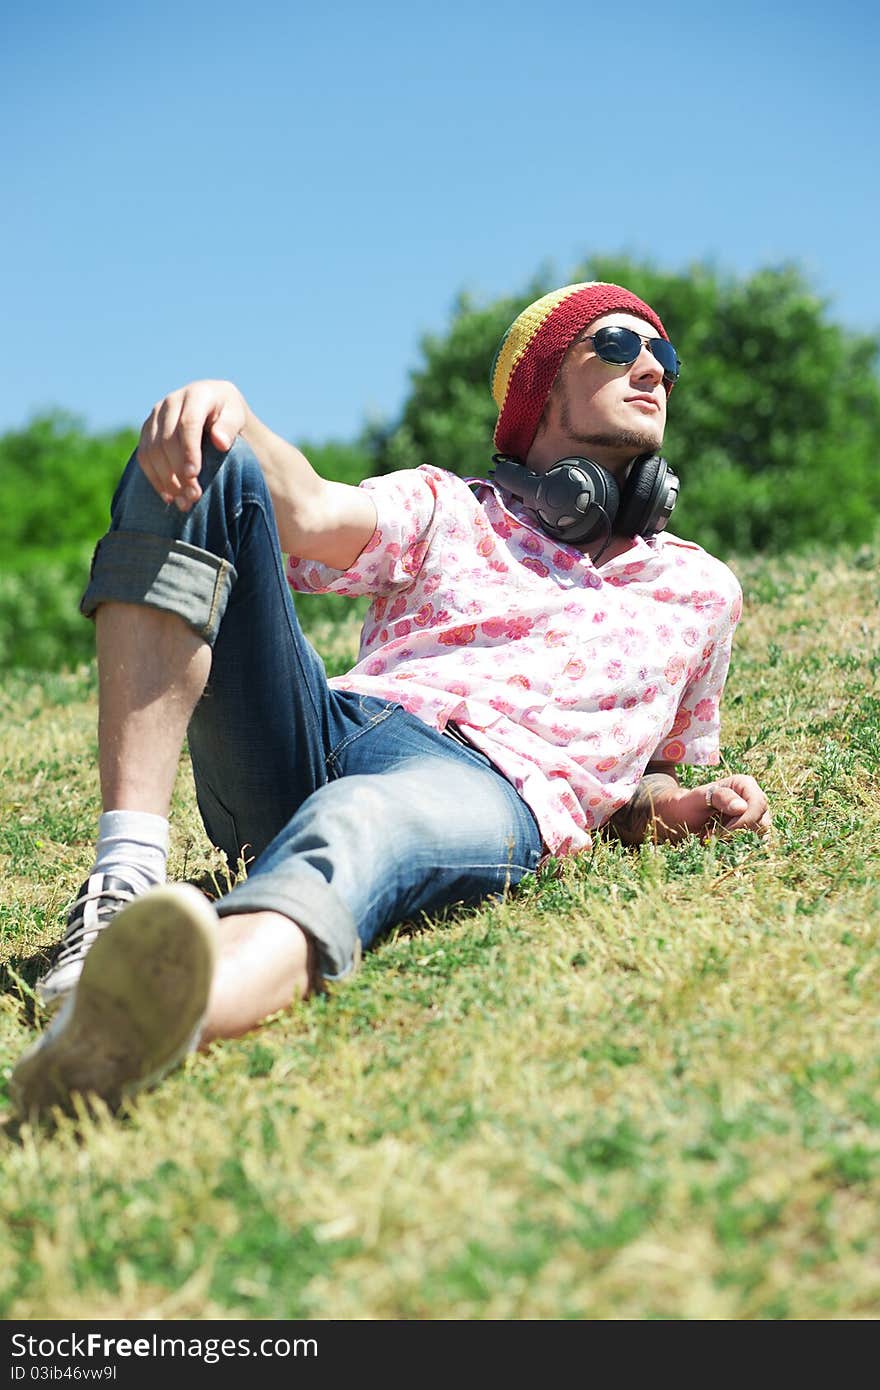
(136, 567)
(315, 908)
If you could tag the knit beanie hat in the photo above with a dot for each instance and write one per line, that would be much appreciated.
(531, 352)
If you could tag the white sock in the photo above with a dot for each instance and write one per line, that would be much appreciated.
(132, 845)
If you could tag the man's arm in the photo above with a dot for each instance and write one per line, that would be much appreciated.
(662, 810)
(317, 519)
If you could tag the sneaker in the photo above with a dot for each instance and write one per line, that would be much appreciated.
(97, 903)
(136, 1011)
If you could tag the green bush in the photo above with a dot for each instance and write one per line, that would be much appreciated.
(56, 482)
(40, 624)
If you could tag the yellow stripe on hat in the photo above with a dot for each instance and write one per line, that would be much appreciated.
(519, 335)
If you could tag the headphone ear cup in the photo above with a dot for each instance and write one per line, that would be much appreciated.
(574, 501)
(643, 497)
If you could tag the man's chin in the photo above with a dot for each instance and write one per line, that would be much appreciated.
(627, 443)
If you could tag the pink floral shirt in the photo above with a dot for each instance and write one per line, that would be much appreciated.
(570, 678)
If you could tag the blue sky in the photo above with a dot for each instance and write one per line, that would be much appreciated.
(290, 195)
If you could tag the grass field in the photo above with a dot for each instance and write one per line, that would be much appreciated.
(648, 1086)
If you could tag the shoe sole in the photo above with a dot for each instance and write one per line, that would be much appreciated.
(136, 1010)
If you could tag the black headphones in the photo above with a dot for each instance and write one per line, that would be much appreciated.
(578, 500)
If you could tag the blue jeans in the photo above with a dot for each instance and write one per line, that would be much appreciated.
(354, 814)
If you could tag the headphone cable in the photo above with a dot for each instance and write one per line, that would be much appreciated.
(609, 532)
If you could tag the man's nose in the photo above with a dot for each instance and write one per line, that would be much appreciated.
(647, 365)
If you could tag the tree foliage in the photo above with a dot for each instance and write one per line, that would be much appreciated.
(774, 427)
(56, 482)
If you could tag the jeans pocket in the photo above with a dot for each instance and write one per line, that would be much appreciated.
(372, 714)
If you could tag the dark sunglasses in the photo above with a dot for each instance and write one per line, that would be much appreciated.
(622, 346)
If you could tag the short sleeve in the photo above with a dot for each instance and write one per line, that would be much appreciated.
(406, 504)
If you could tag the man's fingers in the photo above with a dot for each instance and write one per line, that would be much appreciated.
(150, 455)
(190, 433)
(220, 435)
(191, 429)
(726, 804)
(225, 425)
(170, 455)
(170, 446)
(153, 479)
(742, 806)
(153, 454)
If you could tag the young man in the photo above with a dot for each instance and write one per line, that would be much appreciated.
(539, 655)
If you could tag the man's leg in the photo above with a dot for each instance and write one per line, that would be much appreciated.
(437, 827)
(265, 963)
(161, 586)
(410, 824)
(164, 587)
(152, 670)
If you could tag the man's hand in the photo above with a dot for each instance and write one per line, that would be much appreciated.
(170, 447)
(664, 811)
(317, 519)
(731, 803)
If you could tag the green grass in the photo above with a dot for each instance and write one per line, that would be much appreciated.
(648, 1086)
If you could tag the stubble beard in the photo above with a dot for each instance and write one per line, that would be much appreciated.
(629, 443)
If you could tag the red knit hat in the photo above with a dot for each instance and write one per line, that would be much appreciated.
(531, 352)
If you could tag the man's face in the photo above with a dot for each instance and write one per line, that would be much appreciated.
(607, 412)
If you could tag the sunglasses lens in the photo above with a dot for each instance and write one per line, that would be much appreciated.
(622, 346)
(618, 345)
(667, 357)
